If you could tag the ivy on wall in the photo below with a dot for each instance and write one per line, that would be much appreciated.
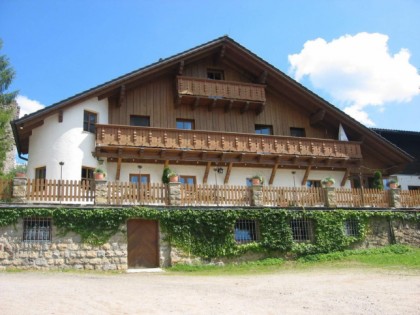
(210, 233)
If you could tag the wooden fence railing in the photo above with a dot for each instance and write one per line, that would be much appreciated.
(6, 186)
(120, 193)
(410, 198)
(293, 196)
(205, 195)
(357, 197)
(54, 191)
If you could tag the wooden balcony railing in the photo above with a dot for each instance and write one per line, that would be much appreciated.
(117, 135)
(123, 193)
(189, 86)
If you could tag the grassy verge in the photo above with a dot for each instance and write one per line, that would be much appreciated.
(390, 257)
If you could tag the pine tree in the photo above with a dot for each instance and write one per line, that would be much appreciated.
(7, 75)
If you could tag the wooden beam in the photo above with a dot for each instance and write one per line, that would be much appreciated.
(181, 67)
(273, 174)
(317, 117)
(60, 116)
(196, 103)
(245, 108)
(305, 177)
(212, 105)
(121, 101)
(166, 163)
(228, 171)
(228, 106)
(178, 101)
(262, 79)
(260, 108)
(206, 173)
(117, 175)
(346, 174)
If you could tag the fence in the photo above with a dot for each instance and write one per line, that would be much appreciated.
(209, 195)
(121, 193)
(55, 191)
(131, 193)
(292, 196)
(6, 186)
(366, 197)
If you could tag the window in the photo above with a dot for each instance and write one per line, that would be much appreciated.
(141, 121)
(187, 124)
(188, 180)
(215, 74)
(264, 129)
(413, 187)
(89, 121)
(297, 132)
(37, 229)
(313, 183)
(87, 173)
(41, 172)
(302, 230)
(145, 178)
(350, 227)
(246, 231)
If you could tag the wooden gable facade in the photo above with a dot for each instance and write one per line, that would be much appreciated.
(219, 104)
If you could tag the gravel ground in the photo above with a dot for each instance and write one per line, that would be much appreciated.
(340, 291)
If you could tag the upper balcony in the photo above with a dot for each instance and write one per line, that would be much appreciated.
(217, 93)
(199, 145)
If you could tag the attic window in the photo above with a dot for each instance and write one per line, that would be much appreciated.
(213, 74)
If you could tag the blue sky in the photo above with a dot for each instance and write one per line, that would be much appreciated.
(362, 56)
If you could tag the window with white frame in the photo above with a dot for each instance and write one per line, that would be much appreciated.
(37, 229)
(246, 231)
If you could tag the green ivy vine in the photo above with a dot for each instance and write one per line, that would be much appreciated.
(210, 233)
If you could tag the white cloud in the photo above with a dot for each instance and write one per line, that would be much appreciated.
(27, 105)
(358, 71)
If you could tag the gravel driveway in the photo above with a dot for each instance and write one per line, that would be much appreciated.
(320, 291)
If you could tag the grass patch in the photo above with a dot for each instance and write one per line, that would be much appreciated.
(394, 256)
(259, 266)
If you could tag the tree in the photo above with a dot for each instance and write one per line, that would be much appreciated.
(7, 75)
(377, 180)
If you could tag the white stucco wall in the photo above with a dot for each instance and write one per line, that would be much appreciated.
(66, 141)
(284, 177)
(408, 180)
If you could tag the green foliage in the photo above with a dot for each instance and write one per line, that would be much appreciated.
(165, 175)
(210, 233)
(7, 74)
(377, 180)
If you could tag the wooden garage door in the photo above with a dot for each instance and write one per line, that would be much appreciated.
(142, 243)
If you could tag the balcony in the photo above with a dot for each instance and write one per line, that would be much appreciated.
(229, 147)
(230, 95)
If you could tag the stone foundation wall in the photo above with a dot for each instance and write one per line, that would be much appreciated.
(69, 253)
(381, 232)
(62, 253)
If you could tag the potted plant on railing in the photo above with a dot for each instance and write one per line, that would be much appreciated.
(328, 181)
(393, 183)
(173, 177)
(257, 180)
(99, 174)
